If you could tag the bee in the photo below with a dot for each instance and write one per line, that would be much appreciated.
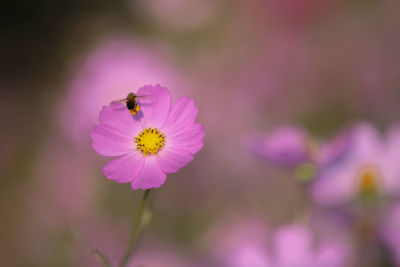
(131, 102)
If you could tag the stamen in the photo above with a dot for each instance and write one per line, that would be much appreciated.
(150, 141)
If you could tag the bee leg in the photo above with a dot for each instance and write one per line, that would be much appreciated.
(133, 112)
(137, 108)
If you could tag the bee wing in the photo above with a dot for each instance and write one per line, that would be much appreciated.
(118, 101)
(117, 104)
(143, 96)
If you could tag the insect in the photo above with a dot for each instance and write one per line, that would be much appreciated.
(131, 102)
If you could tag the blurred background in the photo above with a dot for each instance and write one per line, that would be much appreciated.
(249, 65)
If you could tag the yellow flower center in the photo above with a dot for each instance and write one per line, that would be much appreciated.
(369, 181)
(150, 141)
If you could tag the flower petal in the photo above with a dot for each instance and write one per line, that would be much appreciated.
(367, 141)
(182, 117)
(117, 116)
(172, 159)
(293, 245)
(390, 166)
(336, 149)
(125, 168)
(332, 254)
(156, 107)
(108, 141)
(336, 185)
(286, 145)
(190, 140)
(393, 142)
(151, 175)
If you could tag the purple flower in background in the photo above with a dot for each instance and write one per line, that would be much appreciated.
(290, 146)
(290, 246)
(286, 145)
(239, 242)
(370, 168)
(293, 147)
(116, 67)
(294, 247)
(160, 140)
(335, 149)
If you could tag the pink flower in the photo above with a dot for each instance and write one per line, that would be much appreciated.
(161, 139)
(291, 146)
(290, 246)
(370, 168)
(293, 246)
(286, 145)
(238, 241)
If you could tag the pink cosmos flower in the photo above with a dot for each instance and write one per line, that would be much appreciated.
(370, 168)
(161, 139)
(286, 145)
(290, 246)
(290, 146)
(293, 246)
(237, 241)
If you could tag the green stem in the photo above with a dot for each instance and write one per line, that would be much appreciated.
(92, 250)
(135, 229)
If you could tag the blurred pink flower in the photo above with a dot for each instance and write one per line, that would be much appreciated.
(293, 246)
(290, 246)
(116, 67)
(333, 150)
(285, 145)
(239, 242)
(371, 167)
(161, 139)
(290, 146)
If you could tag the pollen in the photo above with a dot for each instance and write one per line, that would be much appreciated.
(150, 141)
(135, 110)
